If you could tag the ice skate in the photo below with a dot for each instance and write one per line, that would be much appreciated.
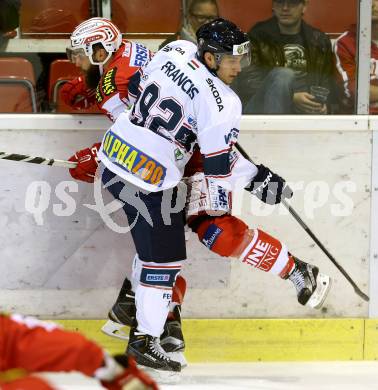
(122, 314)
(151, 357)
(172, 338)
(311, 285)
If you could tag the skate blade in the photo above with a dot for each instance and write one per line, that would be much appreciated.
(178, 357)
(116, 330)
(320, 294)
(162, 377)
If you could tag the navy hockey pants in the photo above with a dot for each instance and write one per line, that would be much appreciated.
(154, 239)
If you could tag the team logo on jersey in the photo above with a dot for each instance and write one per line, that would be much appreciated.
(108, 84)
(178, 154)
(216, 94)
(133, 160)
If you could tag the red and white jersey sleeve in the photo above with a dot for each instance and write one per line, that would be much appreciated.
(346, 52)
(112, 93)
(33, 345)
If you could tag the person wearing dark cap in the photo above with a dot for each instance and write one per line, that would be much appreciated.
(290, 61)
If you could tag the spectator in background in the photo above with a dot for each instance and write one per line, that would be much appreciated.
(288, 58)
(345, 52)
(9, 20)
(197, 13)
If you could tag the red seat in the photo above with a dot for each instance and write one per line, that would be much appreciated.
(151, 18)
(17, 85)
(51, 18)
(62, 71)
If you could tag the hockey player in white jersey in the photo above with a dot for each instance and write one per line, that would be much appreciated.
(97, 47)
(183, 101)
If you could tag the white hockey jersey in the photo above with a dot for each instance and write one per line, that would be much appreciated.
(179, 103)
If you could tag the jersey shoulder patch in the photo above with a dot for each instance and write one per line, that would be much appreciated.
(139, 54)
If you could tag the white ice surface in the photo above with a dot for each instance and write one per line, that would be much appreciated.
(279, 376)
(254, 376)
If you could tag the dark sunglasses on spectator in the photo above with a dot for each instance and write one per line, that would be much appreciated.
(204, 18)
(288, 2)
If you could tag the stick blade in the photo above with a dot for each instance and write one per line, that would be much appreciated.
(362, 294)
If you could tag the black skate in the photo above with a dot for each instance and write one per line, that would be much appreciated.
(311, 285)
(121, 314)
(172, 339)
(148, 352)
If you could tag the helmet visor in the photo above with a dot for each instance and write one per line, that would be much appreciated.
(240, 56)
(74, 54)
(243, 50)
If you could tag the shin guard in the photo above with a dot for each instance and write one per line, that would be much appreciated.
(230, 237)
(267, 254)
(154, 294)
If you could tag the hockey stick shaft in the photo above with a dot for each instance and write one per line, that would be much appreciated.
(37, 160)
(296, 216)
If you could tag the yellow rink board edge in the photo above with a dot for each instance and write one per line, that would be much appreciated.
(248, 340)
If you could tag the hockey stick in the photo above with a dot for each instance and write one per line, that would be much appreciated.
(312, 235)
(37, 160)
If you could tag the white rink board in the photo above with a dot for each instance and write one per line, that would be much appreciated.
(72, 266)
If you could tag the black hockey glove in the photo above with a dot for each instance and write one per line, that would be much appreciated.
(269, 187)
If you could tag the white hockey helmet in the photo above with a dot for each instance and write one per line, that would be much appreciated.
(92, 31)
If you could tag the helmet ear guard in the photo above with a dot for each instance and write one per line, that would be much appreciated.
(94, 31)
